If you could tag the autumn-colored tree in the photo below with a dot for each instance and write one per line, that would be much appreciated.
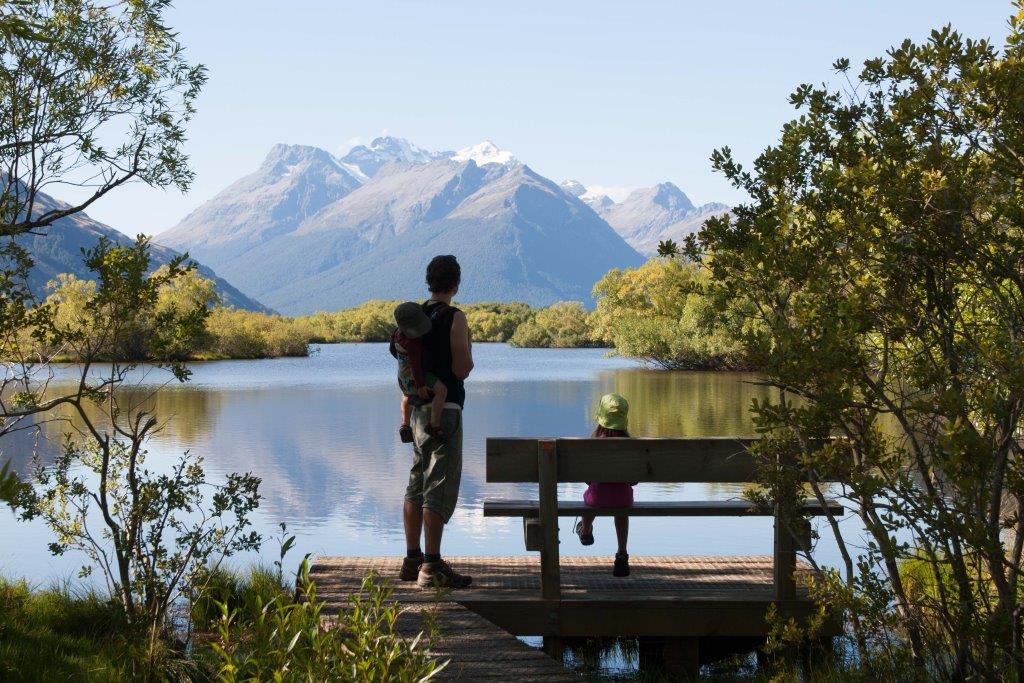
(659, 313)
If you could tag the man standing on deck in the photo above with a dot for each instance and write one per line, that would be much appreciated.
(433, 488)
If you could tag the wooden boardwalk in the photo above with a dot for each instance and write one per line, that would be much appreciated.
(688, 597)
(476, 648)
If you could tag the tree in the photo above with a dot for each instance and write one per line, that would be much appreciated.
(565, 325)
(93, 95)
(148, 532)
(881, 253)
(496, 322)
(658, 313)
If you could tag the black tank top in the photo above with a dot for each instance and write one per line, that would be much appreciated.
(437, 349)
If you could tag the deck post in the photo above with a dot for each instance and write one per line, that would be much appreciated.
(681, 657)
(547, 471)
(784, 556)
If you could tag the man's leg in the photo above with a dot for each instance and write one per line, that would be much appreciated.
(412, 516)
(442, 474)
(433, 529)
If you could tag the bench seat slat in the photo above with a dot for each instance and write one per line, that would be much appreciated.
(690, 508)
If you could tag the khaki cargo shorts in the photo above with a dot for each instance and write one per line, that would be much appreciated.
(436, 467)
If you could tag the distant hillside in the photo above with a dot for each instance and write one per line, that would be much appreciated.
(59, 250)
(518, 235)
(650, 215)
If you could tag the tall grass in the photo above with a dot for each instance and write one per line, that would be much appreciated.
(58, 634)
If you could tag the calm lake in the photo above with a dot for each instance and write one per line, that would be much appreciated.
(322, 433)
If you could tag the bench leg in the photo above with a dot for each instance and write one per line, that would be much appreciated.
(547, 464)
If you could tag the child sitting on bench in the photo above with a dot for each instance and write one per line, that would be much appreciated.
(612, 421)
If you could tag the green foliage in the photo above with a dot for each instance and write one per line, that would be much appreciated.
(372, 321)
(245, 595)
(496, 322)
(233, 333)
(148, 533)
(160, 530)
(10, 485)
(668, 248)
(880, 252)
(562, 325)
(660, 314)
(290, 639)
(92, 94)
(49, 635)
(129, 314)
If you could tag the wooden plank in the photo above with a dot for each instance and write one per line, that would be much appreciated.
(701, 459)
(687, 508)
(547, 466)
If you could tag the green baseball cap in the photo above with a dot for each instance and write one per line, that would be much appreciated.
(412, 320)
(613, 412)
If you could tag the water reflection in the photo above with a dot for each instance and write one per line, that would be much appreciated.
(688, 403)
(322, 434)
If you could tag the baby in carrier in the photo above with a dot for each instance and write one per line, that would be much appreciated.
(418, 386)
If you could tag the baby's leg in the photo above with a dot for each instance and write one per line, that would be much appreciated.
(437, 404)
(406, 410)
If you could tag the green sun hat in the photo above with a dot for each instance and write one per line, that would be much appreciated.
(412, 320)
(613, 412)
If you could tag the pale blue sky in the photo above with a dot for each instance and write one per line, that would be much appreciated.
(619, 94)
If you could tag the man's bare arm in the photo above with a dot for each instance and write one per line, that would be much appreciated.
(462, 347)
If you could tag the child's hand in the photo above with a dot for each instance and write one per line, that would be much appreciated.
(424, 393)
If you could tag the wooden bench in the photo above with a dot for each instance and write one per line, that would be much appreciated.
(548, 462)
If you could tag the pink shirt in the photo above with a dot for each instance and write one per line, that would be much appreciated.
(610, 495)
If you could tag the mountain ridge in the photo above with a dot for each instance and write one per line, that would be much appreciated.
(518, 235)
(58, 249)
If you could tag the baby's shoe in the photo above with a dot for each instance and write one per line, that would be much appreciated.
(405, 433)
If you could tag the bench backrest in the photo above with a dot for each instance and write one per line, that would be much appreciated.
(698, 459)
(701, 459)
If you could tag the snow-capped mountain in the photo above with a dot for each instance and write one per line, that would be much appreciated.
(292, 183)
(573, 187)
(598, 202)
(367, 160)
(516, 233)
(484, 153)
(652, 214)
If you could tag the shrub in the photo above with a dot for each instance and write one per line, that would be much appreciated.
(235, 333)
(563, 325)
(291, 638)
(659, 313)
